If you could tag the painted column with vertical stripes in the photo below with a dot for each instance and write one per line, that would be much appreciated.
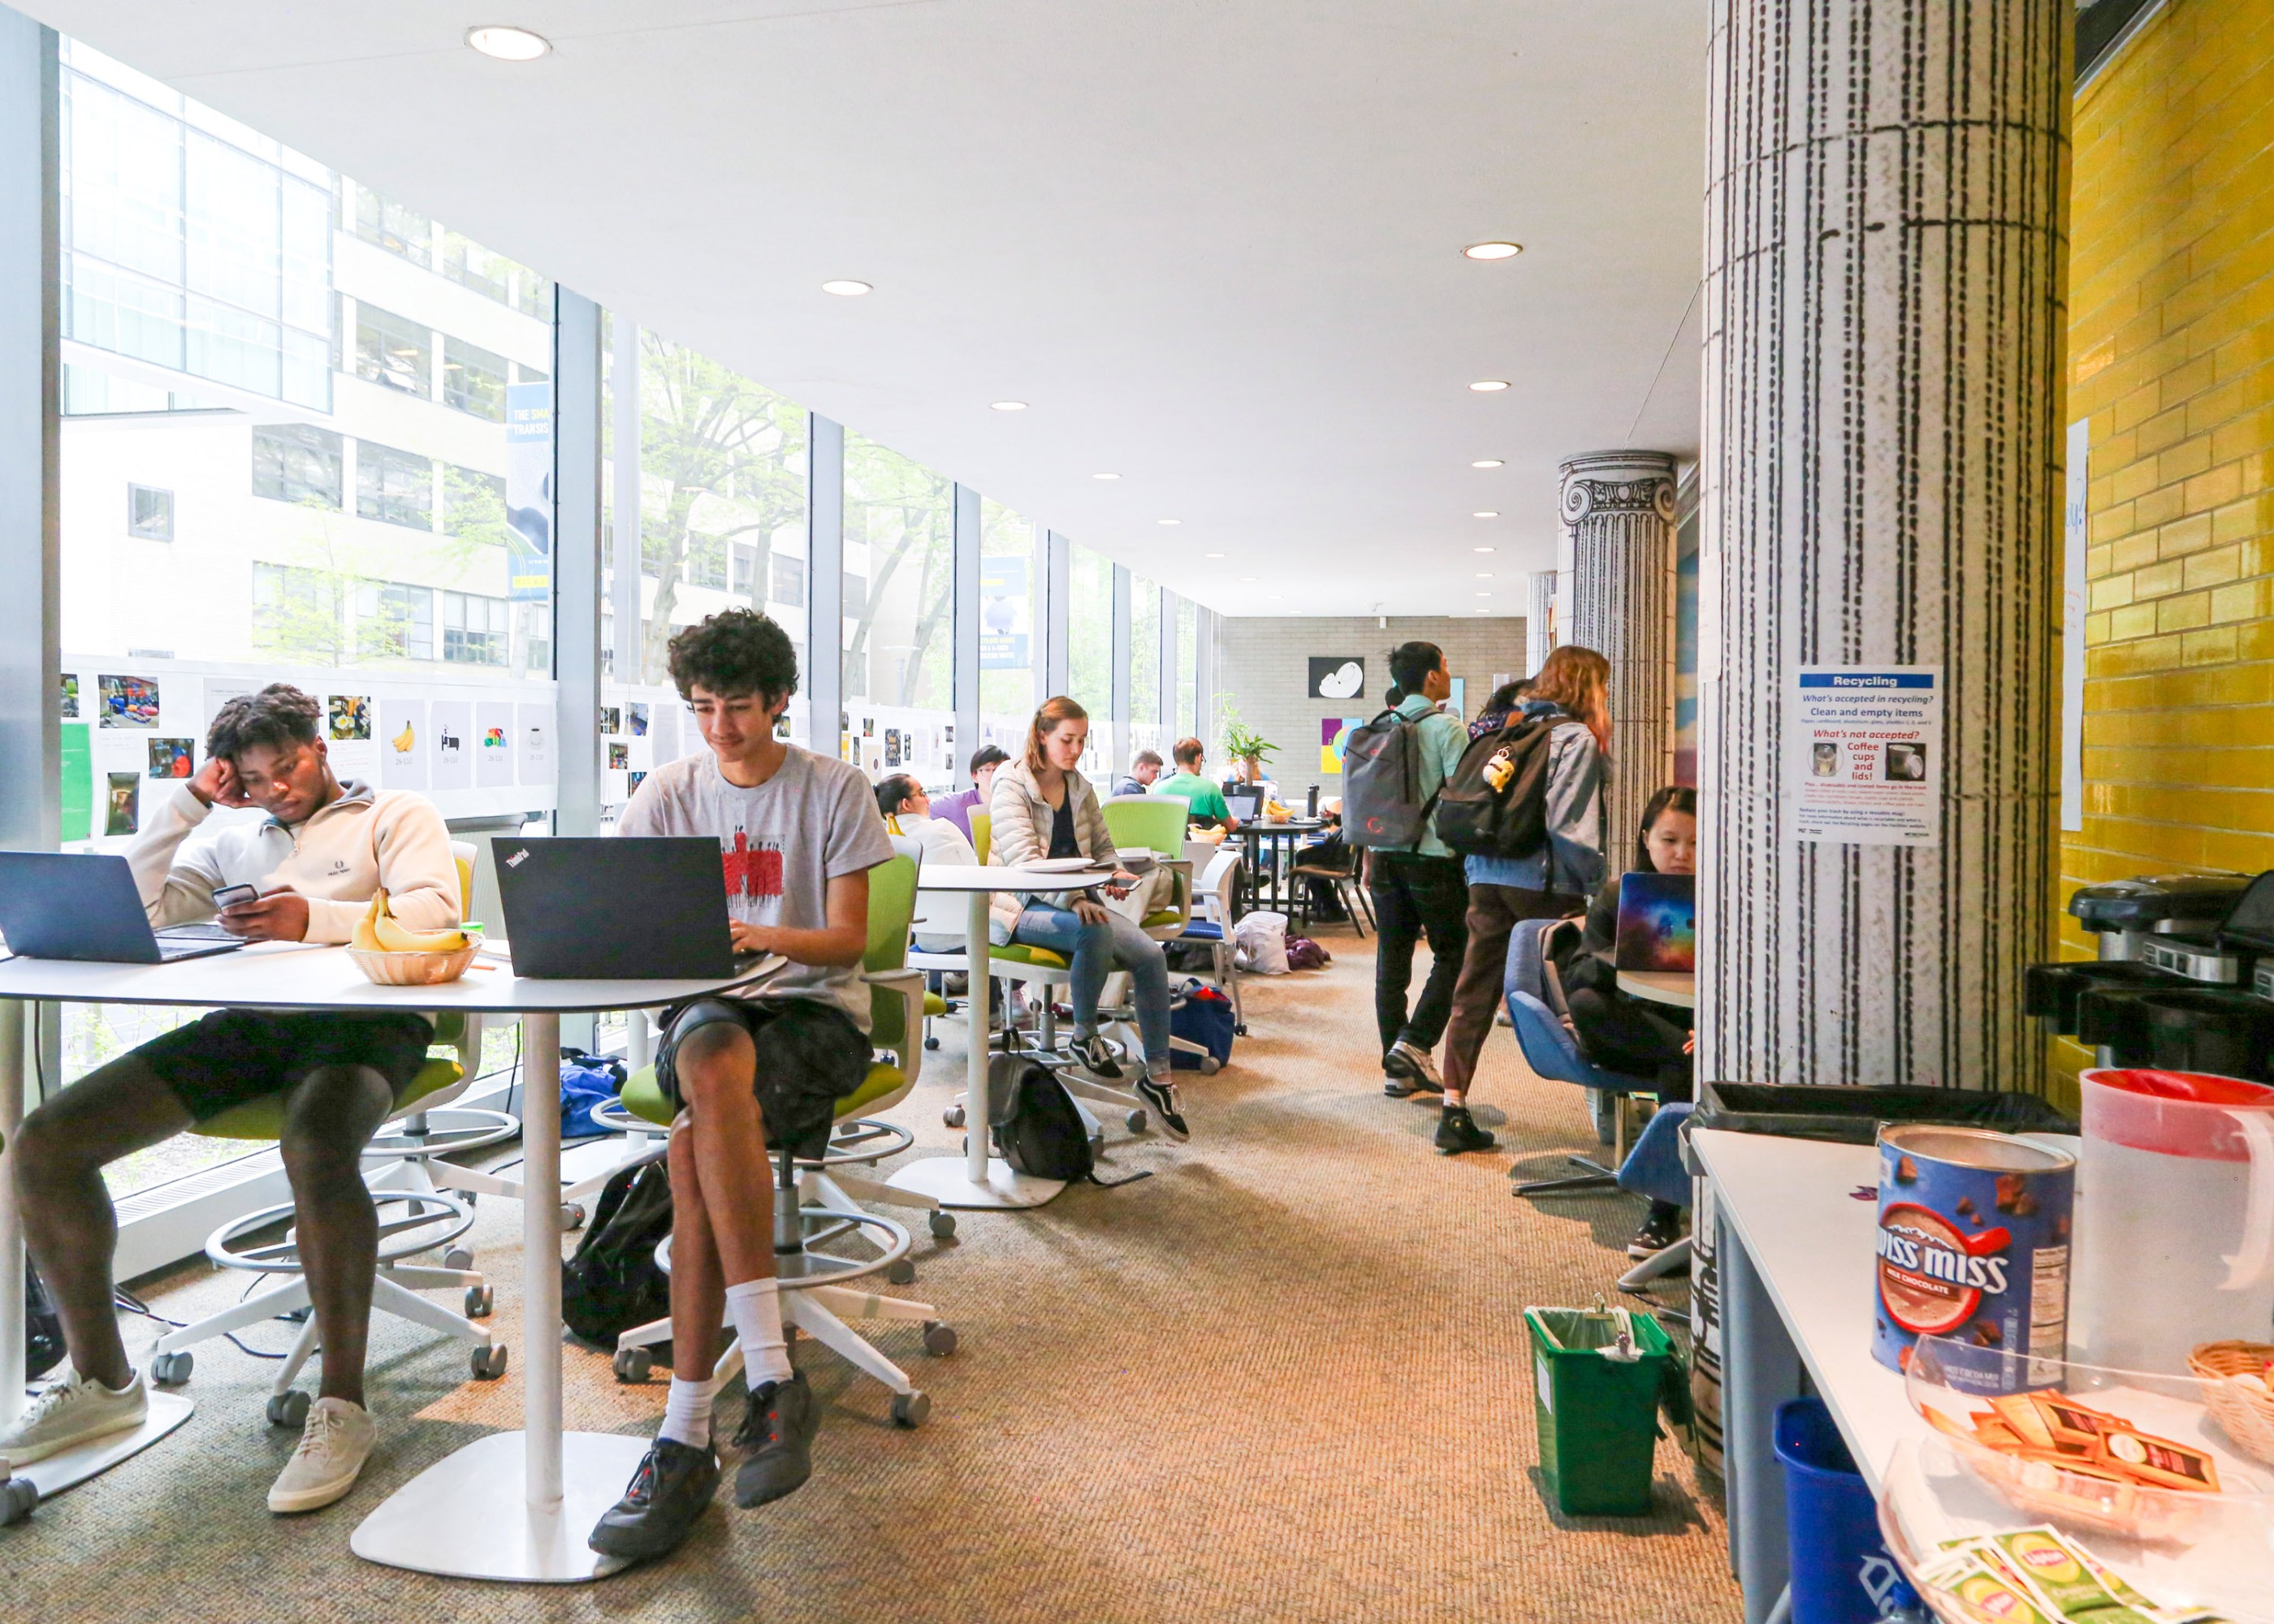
(1619, 508)
(1886, 279)
(1539, 618)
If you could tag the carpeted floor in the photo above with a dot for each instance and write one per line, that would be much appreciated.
(1282, 1379)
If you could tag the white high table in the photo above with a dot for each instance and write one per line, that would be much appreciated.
(511, 1505)
(1797, 1260)
(976, 1179)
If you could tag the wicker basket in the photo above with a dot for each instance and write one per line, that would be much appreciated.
(2247, 1414)
(415, 969)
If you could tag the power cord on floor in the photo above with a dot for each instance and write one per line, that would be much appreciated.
(126, 1302)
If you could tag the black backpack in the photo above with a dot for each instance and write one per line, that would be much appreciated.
(1037, 1128)
(1383, 802)
(611, 1283)
(1496, 803)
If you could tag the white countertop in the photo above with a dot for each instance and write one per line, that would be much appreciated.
(986, 877)
(1813, 1246)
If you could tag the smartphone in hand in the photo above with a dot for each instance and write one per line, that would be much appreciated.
(234, 896)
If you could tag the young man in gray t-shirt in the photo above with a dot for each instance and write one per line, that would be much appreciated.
(797, 835)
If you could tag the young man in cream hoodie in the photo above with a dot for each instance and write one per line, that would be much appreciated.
(316, 860)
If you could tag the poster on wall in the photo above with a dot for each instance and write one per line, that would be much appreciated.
(1866, 755)
(172, 758)
(128, 702)
(1333, 731)
(348, 731)
(78, 800)
(1004, 600)
(492, 744)
(67, 695)
(124, 813)
(2076, 534)
(1456, 702)
(449, 758)
(536, 733)
(403, 730)
(1336, 676)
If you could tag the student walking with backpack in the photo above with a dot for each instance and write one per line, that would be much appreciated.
(1535, 846)
(1393, 769)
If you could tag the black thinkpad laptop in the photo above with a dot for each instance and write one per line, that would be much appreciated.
(616, 908)
(72, 905)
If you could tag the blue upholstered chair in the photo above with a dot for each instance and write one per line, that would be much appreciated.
(1551, 1049)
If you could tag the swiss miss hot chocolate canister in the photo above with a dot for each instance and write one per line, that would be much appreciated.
(1974, 1246)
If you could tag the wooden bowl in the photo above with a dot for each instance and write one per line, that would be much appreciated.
(415, 969)
(2245, 1412)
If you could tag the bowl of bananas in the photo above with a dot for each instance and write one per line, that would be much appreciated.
(393, 956)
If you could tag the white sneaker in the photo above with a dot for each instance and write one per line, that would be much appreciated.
(1424, 1064)
(333, 1446)
(71, 1411)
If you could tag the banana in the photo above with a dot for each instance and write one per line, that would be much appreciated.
(366, 930)
(396, 939)
(404, 739)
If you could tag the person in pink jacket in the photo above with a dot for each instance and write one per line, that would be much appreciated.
(315, 860)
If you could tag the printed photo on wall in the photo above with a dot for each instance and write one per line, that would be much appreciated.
(611, 719)
(124, 816)
(632, 781)
(351, 715)
(891, 746)
(170, 758)
(403, 722)
(639, 719)
(620, 757)
(128, 702)
(1336, 676)
(450, 759)
(1332, 732)
(67, 694)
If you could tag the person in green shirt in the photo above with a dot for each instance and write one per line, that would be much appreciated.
(1204, 800)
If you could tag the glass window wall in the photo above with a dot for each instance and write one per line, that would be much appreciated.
(1090, 650)
(1145, 730)
(1012, 566)
(899, 597)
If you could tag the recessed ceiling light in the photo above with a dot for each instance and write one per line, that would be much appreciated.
(1008, 405)
(1105, 476)
(1487, 385)
(845, 288)
(1492, 250)
(1172, 520)
(1251, 577)
(508, 44)
(1488, 463)
(1215, 555)
(1486, 512)
(1480, 549)
(1484, 574)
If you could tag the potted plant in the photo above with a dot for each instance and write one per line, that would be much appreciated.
(1245, 746)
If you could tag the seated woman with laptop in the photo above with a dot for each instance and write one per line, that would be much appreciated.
(1043, 809)
(304, 873)
(1629, 1034)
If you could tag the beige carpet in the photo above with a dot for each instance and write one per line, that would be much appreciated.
(1284, 1379)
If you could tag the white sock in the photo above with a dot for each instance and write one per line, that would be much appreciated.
(756, 1307)
(687, 1413)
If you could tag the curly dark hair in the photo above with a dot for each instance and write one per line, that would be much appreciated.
(737, 653)
(280, 715)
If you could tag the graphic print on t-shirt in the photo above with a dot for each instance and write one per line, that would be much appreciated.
(753, 871)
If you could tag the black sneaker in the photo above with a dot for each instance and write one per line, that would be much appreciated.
(1658, 1231)
(1408, 1070)
(673, 1484)
(1096, 1055)
(1161, 1095)
(777, 1429)
(1457, 1131)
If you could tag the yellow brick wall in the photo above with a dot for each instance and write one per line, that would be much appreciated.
(2172, 357)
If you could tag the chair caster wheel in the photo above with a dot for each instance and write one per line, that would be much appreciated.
(572, 1215)
(171, 1370)
(1097, 1144)
(17, 1496)
(931, 1043)
(457, 1258)
(910, 1409)
(480, 1301)
(1137, 1121)
(953, 1115)
(488, 1363)
(288, 1408)
(900, 1272)
(943, 1225)
(632, 1365)
(938, 1338)
(1210, 1066)
(1240, 1030)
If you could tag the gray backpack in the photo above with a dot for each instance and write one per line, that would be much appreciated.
(1383, 802)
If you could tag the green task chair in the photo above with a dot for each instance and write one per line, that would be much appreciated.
(817, 1296)
(412, 1221)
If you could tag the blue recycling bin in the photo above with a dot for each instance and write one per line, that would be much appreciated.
(1831, 1521)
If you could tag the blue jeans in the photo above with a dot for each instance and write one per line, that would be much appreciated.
(1096, 952)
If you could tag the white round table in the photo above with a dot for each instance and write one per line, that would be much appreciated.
(1674, 987)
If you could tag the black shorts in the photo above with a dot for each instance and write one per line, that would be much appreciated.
(810, 1056)
(234, 1056)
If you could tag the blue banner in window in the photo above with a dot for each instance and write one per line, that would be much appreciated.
(529, 490)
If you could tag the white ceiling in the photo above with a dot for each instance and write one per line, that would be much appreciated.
(1215, 243)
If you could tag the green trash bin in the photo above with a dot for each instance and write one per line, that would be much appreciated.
(1597, 1412)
